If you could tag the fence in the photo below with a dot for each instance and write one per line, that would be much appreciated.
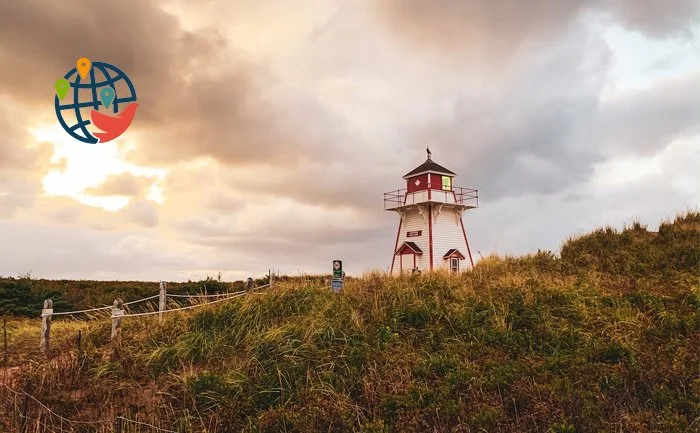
(27, 414)
(119, 312)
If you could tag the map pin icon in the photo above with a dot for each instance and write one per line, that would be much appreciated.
(107, 96)
(62, 86)
(83, 66)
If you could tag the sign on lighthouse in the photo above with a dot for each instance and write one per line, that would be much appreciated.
(431, 232)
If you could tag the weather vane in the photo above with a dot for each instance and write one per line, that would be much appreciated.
(427, 149)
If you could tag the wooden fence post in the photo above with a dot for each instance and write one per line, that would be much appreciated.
(4, 336)
(46, 313)
(161, 300)
(117, 312)
(25, 409)
(118, 424)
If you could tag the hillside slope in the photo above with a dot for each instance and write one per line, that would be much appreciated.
(604, 338)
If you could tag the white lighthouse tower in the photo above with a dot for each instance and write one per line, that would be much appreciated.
(431, 232)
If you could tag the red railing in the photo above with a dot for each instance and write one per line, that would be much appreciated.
(401, 197)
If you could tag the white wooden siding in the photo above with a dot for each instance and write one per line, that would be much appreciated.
(416, 197)
(435, 195)
(413, 221)
(447, 234)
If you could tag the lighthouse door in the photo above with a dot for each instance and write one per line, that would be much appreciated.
(408, 262)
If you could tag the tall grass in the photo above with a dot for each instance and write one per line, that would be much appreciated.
(603, 338)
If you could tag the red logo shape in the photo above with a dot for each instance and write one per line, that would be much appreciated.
(113, 126)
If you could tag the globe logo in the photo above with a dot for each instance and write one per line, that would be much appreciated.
(89, 99)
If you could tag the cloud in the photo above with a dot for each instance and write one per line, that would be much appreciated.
(144, 213)
(481, 30)
(197, 95)
(528, 137)
(124, 184)
(476, 30)
(47, 37)
(22, 161)
(656, 19)
(74, 252)
(643, 121)
(17, 149)
(280, 127)
(649, 189)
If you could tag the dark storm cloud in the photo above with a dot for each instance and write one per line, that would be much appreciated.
(533, 153)
(237, 126)
(645, 121)
(493, 29)
(655, 18)
(41, 40)
(526, 137)
(332, 186)
(482, 29)
(197, 96)
(543, 148)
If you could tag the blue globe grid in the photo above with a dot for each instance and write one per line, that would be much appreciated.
(109, 79)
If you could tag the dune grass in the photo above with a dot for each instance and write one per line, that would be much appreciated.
(603, 338)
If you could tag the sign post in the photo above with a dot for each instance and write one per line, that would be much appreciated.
(338, 281)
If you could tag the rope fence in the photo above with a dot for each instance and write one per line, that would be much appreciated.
(106, 307)
(150, 313)
(169, 295)
(119, 312)
(172, 295)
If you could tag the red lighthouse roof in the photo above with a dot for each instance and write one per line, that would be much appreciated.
(429, 166)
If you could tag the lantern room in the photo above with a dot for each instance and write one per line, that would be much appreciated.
(429, 175)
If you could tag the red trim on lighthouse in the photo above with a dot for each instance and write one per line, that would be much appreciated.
(409, 248)
(467, 242)
(430, 232)
(430, 179)
(396, 245)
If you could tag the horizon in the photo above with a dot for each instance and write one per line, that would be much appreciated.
(266, 136)
(30, 275)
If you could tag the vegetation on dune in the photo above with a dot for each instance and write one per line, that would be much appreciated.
(603, 338)
(637, 253)
(24, 296)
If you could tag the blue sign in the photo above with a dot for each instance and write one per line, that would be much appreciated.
(336, 285)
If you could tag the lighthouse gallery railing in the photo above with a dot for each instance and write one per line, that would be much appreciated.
(458, 195)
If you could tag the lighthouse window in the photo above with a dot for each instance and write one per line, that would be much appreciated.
(447, 183)
(454, 264)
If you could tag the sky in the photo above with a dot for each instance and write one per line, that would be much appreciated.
(268, 131)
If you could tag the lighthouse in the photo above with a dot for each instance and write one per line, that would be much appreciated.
(431, 232)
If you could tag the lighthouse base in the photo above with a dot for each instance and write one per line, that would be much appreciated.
(430, 238)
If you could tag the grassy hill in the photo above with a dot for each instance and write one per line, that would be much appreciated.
(603, 338)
